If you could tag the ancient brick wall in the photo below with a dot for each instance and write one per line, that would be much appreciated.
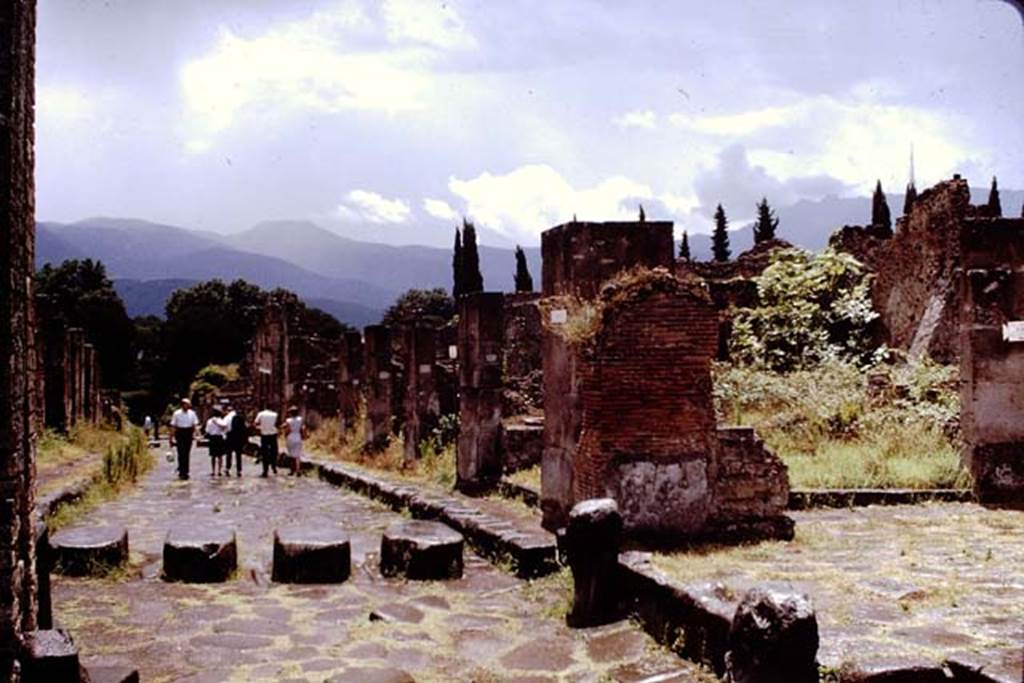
(481, 329)
(522, 350)
(422, 400)
(267, 363)
(648, 421)
(377, 357)
(580, 257)
(17, 350)
(750, 484)
(991, 298)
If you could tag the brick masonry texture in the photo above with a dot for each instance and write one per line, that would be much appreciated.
(991, 289)
(18, 369)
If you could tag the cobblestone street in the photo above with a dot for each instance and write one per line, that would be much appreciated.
(487, 626)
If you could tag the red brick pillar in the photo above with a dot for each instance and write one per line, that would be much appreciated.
(350, 378)
(481, 326)
(421, 402)
(379, 386)
(17, 349)
(992, 357)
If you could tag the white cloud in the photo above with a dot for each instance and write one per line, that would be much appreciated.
(332, 61)
(730, 125)
(438, 208)
(430, 22)
(637, 119)
(532, 198)
(372, 207)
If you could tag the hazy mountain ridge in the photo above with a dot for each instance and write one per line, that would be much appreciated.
(357, 280)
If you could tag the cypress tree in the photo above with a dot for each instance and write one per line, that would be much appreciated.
(472, 279)
(767, 223)
(994, 205)
(880, 216)
(684, 247)
(457, 266)
(524, 281)
(720, 238)
(909, 199)
(643, 216)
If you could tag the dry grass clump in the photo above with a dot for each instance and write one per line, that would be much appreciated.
(836, 429)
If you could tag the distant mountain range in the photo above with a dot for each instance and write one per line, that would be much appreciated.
(352, 279)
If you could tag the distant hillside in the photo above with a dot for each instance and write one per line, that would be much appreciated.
(148, 297)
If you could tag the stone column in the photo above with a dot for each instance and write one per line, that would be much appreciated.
(992, 357)
(76, 375)
(591, 542)
(480, 338)
(350, 378)
(17, 234)
(379, 386)
(421, 402)
(90, 389)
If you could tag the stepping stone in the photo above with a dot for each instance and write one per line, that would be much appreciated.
(112, 674)
(208, 555)
(50, 655)
(421, 550)
(89, 551)
(317, 555)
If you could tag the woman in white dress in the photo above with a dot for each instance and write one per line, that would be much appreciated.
(295, 432)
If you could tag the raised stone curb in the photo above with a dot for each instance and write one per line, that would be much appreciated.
(531, 549)
(514, 491)
(50, 655)
(421, 550)
(311, 556)
(89, 551)
(806, 499)
(200, 555)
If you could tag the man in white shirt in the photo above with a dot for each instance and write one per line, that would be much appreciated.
(266, 424)
(184, 423)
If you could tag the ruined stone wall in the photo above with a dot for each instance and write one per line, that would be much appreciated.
(648, 420)
(17, 349)
(580, 257)
(750, 484)
(267, 364)
(377, 350)
(481, 327)
(350, 378)
(422, 400)
(313, 377)
(991, 297)
(522, 350)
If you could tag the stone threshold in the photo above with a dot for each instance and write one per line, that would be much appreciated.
(503, 539)
(693, 621)
(804, 499)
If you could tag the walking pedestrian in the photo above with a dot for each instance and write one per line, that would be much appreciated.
(216, 429)
(266, 423)
(295, 432)
(184, 424)
(147, 427)
(237, 437)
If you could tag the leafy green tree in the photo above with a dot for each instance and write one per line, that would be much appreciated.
(994, 205)
(909, 198)
(472, 279)
(523, 279)
(684, 247)
(767, 222)
(415, 304)
(880, 216)
(457, 261)
(79, 294)
(720, 237)
(811, 308)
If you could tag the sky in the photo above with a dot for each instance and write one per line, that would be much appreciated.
(392, 119)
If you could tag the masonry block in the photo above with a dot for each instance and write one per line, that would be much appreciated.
(89, 551)
(421, 550)
(202, 555)
(317, 555)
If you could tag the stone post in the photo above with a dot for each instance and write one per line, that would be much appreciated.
(76, 375)
(421, 401)
(17, 343)
(350, 378)
(773, 639)
(91, 389)
(591, 542)
(992, 357)
(480, 339)
(379, 386)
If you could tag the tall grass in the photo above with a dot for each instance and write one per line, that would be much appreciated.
(840, 426)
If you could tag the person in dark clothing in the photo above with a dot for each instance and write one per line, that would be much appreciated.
(238, 436)
(184, 424)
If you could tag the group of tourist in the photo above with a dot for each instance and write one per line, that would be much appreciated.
(227, 433)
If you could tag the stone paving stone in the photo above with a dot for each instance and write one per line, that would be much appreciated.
(485, 622)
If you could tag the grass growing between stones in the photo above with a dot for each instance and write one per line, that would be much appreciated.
(839, 426)
(530, 477)
(126, 459)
